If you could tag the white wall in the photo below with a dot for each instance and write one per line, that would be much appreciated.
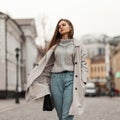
(11, 38)
(2, 53)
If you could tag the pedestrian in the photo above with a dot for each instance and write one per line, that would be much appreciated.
(62, 72)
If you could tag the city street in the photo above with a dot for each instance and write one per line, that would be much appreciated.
(97, 108)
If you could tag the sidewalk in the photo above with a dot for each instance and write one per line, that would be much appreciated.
(8, 104)
(104, 108)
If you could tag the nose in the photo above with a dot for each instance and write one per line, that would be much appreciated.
(61, 27)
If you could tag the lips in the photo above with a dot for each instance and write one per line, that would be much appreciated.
(62, 30)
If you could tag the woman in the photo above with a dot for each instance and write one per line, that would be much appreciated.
(62, 72)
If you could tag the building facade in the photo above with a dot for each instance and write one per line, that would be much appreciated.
(115, 63)
(97, 73)
(95, 45)
(15, 35)
(97, 69)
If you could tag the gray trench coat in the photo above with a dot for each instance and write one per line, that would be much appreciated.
(39, 78)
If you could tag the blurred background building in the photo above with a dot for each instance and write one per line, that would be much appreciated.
(115, 62)
(16, 33)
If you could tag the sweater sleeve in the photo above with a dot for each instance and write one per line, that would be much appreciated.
(49, 65)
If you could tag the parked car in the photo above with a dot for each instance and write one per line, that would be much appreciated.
(90, 89)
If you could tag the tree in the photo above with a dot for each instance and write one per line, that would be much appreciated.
(42, 23)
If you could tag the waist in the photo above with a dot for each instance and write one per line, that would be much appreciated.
(65, 71)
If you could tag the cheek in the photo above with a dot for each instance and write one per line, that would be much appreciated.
(68, 29)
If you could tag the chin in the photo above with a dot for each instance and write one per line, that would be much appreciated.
(64, 33)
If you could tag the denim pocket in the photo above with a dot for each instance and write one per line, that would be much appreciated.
(69, 76)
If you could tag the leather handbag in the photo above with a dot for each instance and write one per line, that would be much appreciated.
(48, 103)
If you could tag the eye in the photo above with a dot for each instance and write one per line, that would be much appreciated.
(64, 24)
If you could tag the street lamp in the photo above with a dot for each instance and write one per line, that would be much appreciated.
(17, 73)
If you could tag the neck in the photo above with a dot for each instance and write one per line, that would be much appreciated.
(65, 36)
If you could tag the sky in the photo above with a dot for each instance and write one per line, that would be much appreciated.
(87, 16)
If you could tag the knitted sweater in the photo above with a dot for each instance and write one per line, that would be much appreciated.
(64, 56)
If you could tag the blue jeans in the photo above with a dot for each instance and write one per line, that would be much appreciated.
(62, 92)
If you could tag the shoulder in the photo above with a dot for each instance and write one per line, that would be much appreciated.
(79, 42)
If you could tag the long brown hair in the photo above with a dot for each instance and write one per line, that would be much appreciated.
(56, 36)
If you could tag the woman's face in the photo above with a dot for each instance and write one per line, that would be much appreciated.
(64, 28)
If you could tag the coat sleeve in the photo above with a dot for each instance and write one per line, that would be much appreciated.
(84, 67)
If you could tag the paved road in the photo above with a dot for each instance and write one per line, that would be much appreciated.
(97, 108)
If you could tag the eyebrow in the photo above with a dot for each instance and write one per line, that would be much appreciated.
(61, 24)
